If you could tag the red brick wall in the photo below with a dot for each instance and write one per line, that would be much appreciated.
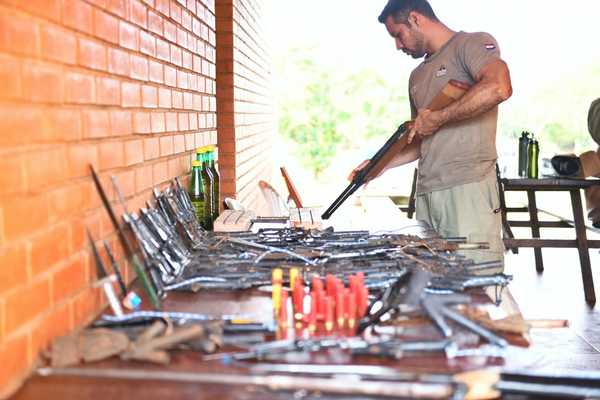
(245, 116)
(127, 85)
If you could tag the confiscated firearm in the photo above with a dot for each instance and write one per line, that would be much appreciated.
(138, 267)
(151, 250)
(396, 349)
(453, 91)
(183, 221)
(161, 229)
(141, 317)
(375, 382)
(279, 347)
(115, 268)
(335, 385)
(460, 283)
(104, 279)
(405, 292)
(362, 371)
(438, 309)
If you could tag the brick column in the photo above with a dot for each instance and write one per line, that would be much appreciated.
(244, 100)
(225, 98)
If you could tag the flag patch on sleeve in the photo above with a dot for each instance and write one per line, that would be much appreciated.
(441, 72)
(490, 46)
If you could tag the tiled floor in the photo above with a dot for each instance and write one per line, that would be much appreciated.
(555, 294)
(558, 294)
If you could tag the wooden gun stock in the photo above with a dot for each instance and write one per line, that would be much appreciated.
(294, 195)
(453, 91)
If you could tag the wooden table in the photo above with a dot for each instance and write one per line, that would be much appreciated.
(184, 364)
(258, 304)
(581, 242)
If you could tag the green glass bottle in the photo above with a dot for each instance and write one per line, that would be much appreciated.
(197, 191)
(216, 182)
(208, 186)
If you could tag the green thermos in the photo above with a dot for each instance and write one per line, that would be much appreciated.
(533, 152)
(523, 149)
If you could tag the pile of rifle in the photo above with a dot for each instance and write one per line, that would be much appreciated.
(399, 270)
(180, 255)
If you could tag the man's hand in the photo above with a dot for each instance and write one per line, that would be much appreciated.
(357, 170)
(426, 124)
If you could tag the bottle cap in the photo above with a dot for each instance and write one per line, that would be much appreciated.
(196, 163)
(201, 150)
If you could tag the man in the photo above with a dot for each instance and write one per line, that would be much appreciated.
(590, 162)
(456, 147)
(586, 165)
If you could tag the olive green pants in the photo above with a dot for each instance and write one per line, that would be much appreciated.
(471, 210)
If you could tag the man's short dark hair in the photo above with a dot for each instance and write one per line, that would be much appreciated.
(400, 9)
(594, 120)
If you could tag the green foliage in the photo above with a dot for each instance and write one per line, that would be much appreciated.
(322, 110)
(557, 134)
(556, 111)
(311, 120)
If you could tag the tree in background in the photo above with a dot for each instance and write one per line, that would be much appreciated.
(556, 111)
(323, 111)
(309, 116)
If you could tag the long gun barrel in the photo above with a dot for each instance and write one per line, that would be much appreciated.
(105, 280)
(453, 91)
(115, 268)
(360, 177)
(131, 256)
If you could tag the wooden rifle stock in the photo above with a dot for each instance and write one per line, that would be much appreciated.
(294, 195)
(453, 91)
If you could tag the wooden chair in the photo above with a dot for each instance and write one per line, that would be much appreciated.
(507, 232)
(293, 192)
(277, 206)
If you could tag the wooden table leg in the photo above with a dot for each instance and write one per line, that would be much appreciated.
(535, 229)
(582, 246)
(508, 234)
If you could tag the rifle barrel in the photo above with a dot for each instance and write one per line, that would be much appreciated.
(353, 187)
(361, 176)
(397, 389)
(138, 268)
(116, 269)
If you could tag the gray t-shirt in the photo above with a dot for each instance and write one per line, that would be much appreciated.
(465, 151)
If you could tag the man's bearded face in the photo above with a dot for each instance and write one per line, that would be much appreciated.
(407, 38)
